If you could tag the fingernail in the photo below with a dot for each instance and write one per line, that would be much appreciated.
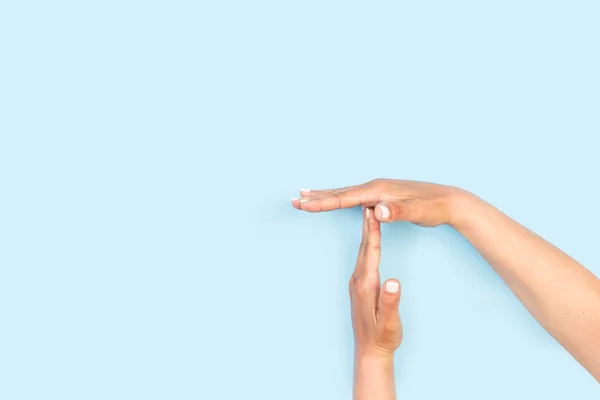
(305, 190)
(304, 200)
(392, 287)
(294, 198)
(368, 213)
(385, 212)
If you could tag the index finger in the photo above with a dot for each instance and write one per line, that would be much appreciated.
(361, 250)
(372, 253)
(307, 194)
(357, 196)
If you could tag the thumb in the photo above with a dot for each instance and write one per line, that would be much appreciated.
(404, 210)
(389, 298)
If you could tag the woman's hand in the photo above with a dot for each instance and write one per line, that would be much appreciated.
(425, 204)
(375, 317)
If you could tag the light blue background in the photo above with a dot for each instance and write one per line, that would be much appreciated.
(148, 151)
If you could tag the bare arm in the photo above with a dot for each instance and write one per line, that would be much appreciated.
(558, 291)
(374, 377)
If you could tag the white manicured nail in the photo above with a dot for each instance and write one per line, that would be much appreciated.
(385, 212)
(368, 213)
(304, 200)
(305, 190)
(392, 287)
(294, 198)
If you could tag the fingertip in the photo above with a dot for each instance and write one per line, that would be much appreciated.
(365, 214)
(295, 203)
(382, 213)
(365, 225)
(369, 219)
(390, 297)
(392, 286)
(373, 222)
(304, 206)
(300, 203)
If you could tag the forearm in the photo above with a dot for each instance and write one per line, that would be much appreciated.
(374, 376)
(559, 292)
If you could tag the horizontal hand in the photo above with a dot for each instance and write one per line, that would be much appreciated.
(425, 204)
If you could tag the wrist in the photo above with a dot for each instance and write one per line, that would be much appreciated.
(373, 374)
(370, 364)
(462, 204)
(373, 354)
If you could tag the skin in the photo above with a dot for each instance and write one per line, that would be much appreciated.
(561, 294)
(375, 319)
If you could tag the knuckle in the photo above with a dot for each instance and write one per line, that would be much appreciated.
(373, 246)
(363, 245)
(366, 249)
(388, 303)
(360, 292)
(338, 199)
(387, 300)
(361, 288)
(378, 183)
(390, 330)
(398, 210)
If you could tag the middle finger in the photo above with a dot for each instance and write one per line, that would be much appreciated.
(361, 250)
(311, 193)
(360, 195)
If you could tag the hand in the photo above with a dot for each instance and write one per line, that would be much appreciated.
(425, 204)
(375, 317)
